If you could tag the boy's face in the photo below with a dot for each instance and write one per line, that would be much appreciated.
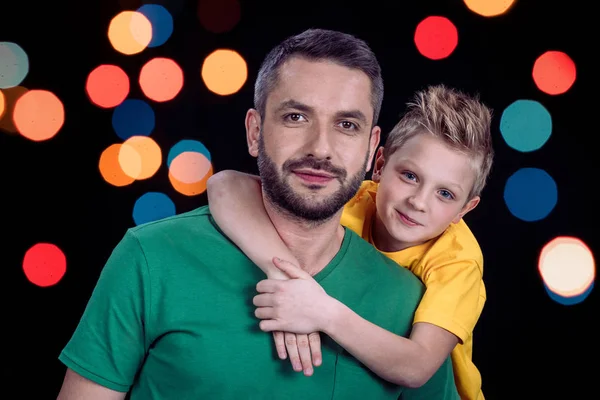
(423, 188)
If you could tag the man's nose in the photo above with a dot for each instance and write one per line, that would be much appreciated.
(319, 143)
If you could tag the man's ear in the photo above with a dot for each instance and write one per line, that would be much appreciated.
(373, 143)
(253, 124)
(471, 204)
(379, 163)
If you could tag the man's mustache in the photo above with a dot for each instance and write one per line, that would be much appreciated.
(318, 165)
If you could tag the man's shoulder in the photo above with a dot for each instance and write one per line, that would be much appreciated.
(197, 222)
(364, 253)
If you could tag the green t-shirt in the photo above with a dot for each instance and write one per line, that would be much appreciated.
(171, 317)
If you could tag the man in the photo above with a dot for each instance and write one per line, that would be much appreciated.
(172, 314)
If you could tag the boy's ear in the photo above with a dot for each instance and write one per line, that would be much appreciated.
(471, 204)
(378, 167)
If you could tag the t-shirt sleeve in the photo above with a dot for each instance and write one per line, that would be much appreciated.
(357, 209)
(109, 345)
(441, 386)
(452, 297)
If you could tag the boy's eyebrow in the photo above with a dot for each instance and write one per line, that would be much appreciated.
(353, 114)
(456, 186)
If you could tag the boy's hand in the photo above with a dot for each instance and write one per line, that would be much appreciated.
(297, 305)
(304, 350)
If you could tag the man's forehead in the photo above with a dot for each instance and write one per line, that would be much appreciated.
(322, 85)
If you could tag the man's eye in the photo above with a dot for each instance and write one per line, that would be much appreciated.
(294, 117)
(349, 125)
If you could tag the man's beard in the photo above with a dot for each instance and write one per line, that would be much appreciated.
(282, 195)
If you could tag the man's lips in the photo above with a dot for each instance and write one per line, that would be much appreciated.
(406, 220)
(313, 176)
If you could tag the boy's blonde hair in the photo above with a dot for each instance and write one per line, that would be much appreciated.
(460, 120)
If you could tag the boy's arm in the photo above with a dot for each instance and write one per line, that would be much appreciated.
(301, 305)
(246, 222)
(409, 362)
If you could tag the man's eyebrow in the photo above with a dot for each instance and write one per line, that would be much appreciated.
(295, 105)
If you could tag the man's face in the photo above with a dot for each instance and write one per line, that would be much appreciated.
(316, 142)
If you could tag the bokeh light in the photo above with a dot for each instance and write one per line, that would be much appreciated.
(39, 115)
(567, 267)
(14, 65)
(219, 16)
(107, 86)
(189, 164)
(44, 264)
(152, 206)
(130, 32)
(489, 8)
(530, 194)
(187, 145)
(133, 117)
(140, 157)
(526, 125)
(189, 189)
(436, 37)
(224, 72)
(110, 169)
(161, 79)
(554, 72)
(2, 103)
(162, 23)
(11, 96)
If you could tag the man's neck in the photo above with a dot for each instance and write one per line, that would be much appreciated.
(314, 244)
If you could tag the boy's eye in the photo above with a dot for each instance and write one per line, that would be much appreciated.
(409, 175)
(446, 194)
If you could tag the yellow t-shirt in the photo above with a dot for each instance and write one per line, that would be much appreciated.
(451, 267)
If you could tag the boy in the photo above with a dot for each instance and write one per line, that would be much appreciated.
(429, 175)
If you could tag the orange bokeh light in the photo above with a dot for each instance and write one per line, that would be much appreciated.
(2, 102)
(107, 86)
(189, 172)
(554, 72)
(161, 79)
(110, 169)
(39, 115)
(140, 157)
(224, 72)
(130, 32)
(489, 8)
(11, 96)
(190, 189)
(189, 167)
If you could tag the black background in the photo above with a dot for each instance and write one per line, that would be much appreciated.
(526, 345)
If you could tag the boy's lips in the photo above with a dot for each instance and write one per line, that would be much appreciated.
(406, 220)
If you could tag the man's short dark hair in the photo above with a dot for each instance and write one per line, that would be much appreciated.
(315, 45)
